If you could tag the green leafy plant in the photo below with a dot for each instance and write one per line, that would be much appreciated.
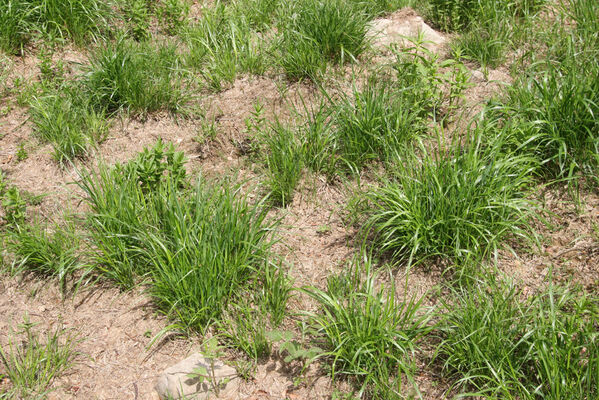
(21, 152)
(203, 374)
(14, 207)
(138, 16)
(153, 166)
(293, 349)
(173, 14)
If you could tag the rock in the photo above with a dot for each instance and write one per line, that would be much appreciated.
(175, 383)
(477, 76)
(402, 25)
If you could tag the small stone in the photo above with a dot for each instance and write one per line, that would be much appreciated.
(398, 28)
(477, 76)
(175, 382)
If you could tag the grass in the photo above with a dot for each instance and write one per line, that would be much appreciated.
(374, 124)
(488, 28)
(223, 45)
(381, 115)
(284, 164)
(457, 201)
(66, 119)
(196, 246)
(367, 333)
(46, 253)
(500, 345)
(558, 96)
(138, 78)
(486, 339)
(316, 33)
(77, 20)
(32, 363)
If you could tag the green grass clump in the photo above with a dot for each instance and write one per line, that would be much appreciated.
(50, 254)
(382, 115)
(489, 28)
(367, 333)
(284, 163)
(32, 363)
(135, 77)
(196, 247)
(319, 32)
(487, 339)
(374, 124)
(66, 119)
(458, 201)
(223, 44)
(562, 101)
(559, 97)
(458, 15)
(78, 20)
(498, 344)
(260, 14)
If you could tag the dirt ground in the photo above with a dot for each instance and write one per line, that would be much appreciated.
(115, 328)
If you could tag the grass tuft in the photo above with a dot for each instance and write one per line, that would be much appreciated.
(136, 77)
(317, 32)
(78, 20)
(33, 363)
(196, 246)
(367, 333)
(498, 344)
(457, 202)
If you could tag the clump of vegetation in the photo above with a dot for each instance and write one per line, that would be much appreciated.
(137, 15)
(78, 20)
(197, 246)
(367, 333)
(318, 32)
(457, 202)
(488, 28)
(222, 45)
(66, 119)
(33, 362)
(46, 253)
(501, 345)
(458, 15)
(135, 77)
(14, 206)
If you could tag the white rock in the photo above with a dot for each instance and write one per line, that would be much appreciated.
(477, 76)
(175, 383)
(398, 27)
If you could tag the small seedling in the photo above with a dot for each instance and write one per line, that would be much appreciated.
(21, 152)
(14, 207)
(294, 350)
(323, 229)
(212, 350)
